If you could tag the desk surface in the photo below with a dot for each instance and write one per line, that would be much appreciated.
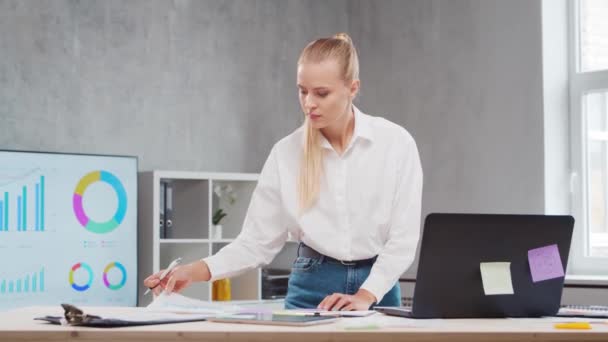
(19, 325)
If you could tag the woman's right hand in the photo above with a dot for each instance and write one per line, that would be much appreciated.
(179, 278)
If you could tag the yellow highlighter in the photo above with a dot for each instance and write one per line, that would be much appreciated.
(573, 325)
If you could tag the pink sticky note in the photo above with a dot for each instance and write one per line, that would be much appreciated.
(545, 263)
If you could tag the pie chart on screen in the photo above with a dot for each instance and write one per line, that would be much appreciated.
(99, 227)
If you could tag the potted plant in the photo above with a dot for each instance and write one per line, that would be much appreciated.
(217, 227)
(226, 192)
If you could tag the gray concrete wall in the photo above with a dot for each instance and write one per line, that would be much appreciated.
(210, 85)
(465, 78)
(188, 85)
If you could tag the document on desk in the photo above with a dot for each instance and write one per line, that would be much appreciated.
(148, 316)
(178, 303)
(386, 322)
(114, 317)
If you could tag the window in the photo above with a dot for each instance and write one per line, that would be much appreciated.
(595, 107)
(589, 134)
(593, 33)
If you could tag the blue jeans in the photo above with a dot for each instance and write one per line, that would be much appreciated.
(312, 279)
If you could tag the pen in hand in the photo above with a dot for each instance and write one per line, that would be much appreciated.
(162, 276)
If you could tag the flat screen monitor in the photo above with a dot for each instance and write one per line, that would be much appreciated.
(68, 229)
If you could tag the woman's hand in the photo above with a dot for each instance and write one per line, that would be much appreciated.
(179, 278)
(361, 300)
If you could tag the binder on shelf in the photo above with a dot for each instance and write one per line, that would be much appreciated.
(168, 210)
(162, 210)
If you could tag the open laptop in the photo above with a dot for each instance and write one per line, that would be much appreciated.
(449, 282)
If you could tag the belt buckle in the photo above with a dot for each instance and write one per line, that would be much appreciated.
(348, 263)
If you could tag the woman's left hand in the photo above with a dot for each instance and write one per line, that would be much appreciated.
(361, 300)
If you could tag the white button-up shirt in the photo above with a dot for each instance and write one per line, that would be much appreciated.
(369, 204)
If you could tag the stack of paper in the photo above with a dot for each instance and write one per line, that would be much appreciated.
(178, 303)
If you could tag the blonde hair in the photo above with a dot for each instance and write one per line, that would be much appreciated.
(339, 47)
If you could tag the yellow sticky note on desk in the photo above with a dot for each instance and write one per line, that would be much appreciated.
(496, 278)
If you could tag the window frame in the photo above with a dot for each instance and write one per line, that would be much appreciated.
(581, 84)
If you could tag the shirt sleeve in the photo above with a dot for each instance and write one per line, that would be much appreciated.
(400, 249)
(264, 232)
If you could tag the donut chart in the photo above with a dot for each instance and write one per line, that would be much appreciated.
(122, 269)
(75, 268)
(81, 216)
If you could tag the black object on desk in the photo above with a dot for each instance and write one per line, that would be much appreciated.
(76, 317)
(448, 281)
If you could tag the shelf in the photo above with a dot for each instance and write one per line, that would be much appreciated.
(190, 237)
(189, 252)
(184, 240)
(224, 241)
(188, 199)
(234, 197)
(586, 280)
(193, 175)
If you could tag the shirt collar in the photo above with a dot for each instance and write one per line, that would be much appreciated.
(362, 129)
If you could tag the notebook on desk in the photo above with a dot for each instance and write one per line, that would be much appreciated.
(450, 281)
(590, 311)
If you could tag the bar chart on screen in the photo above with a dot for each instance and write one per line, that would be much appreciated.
(26, 284)
(22, 202)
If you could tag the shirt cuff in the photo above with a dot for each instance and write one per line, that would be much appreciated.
(215, 266)
(377, 288)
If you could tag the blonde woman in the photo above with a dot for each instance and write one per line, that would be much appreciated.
(347, 185)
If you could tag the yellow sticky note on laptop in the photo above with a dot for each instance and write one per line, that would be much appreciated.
(496, 278)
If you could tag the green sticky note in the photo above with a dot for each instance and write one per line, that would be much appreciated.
(496, 278)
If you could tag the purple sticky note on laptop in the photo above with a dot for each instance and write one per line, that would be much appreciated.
(545, 263)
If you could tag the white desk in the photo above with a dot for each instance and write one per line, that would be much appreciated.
(18, 325)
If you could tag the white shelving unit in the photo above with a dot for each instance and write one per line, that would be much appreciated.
(190, 238)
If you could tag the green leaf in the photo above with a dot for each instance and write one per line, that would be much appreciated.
(218, 216)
